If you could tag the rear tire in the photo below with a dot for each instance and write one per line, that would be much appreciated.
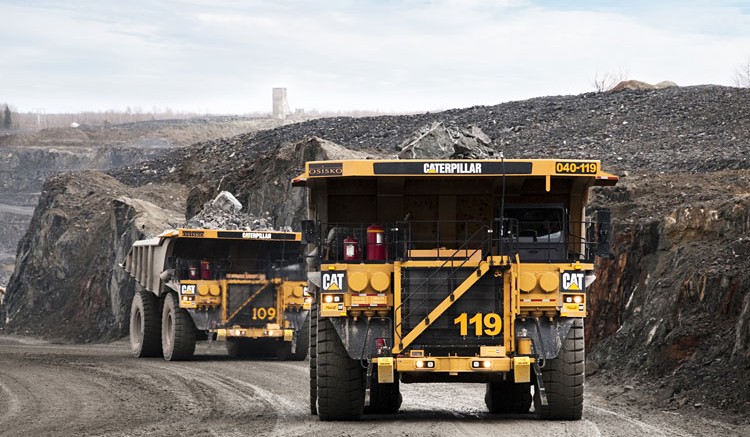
(313, 355)
(507, 397)
(341, 389)
(145, 325)
(177, 331)
(563, 378)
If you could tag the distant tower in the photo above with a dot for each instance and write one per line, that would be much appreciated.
(280, 104)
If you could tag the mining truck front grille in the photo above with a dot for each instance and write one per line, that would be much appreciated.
(249, 315)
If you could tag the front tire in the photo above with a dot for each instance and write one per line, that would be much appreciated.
(145, 325)
(341, 389)
(284, 351)
(313, 355)
(177, 331)
(563, 378)
(384, 398)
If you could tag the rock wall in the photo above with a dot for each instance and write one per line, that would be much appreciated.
(68, 284)
(674, 300)
(27, 167)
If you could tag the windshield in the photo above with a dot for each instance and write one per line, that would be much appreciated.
(538, 224)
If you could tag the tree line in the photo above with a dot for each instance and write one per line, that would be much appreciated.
(6, 118)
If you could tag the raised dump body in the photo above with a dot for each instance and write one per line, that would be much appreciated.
(247, 288)
(450, 271)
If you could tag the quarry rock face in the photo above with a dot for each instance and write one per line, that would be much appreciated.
(26, 167)
(672, 301)
(68, 284)
(671, 304)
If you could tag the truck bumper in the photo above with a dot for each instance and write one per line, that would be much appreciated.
(224, 333)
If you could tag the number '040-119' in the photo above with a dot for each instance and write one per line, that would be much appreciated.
(484, 324)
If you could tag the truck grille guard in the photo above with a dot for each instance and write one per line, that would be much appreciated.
(454, 263)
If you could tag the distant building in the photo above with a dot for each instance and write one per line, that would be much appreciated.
(280, 103)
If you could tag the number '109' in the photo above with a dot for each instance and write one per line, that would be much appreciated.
(264, 313)
(484, 324)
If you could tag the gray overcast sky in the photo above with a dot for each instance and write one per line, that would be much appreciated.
(223, 56)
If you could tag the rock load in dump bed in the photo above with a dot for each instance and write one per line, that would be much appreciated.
(225, 212)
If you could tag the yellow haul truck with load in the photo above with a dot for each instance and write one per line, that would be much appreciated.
(450, 271)
(247, 288)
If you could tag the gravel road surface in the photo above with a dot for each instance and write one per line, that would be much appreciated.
(54, 390)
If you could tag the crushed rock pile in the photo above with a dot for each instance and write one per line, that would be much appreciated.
(440, 141)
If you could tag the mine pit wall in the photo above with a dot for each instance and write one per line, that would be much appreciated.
(669, 284)
(68, 285)
(12, 227)
(26, 168)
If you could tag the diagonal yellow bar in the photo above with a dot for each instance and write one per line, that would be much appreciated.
(483, 268)
(248, 300)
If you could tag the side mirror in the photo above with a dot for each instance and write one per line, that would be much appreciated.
(309, 232)
(603, 225)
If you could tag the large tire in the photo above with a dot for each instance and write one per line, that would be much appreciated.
(284, 349)
(177, 331)
(313, 355)
(384, 398)
(563, 378)
(507, 397)
(145, 325)
(341, 388)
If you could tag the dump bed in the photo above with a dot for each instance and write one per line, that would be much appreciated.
(152, 261)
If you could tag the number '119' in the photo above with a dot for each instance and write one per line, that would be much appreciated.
(484, 324)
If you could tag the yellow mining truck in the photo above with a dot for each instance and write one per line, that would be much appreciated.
(247, 288)
(450, 271)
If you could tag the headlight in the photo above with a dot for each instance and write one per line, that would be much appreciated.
(328, 298)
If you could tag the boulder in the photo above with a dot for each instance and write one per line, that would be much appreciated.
(440, 141)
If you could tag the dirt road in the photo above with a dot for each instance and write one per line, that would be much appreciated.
(54, 390)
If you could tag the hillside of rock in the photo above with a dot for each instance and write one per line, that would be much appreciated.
(671, 305)
(67, 284)
(29, 158)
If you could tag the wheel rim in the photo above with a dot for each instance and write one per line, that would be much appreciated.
(169, 331)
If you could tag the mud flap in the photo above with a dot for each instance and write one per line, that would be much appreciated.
(368, 384)
(540, 394)
(294, 336)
